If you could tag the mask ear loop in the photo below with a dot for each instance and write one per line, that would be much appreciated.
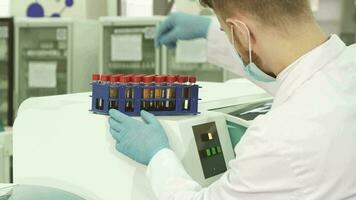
(249, 37)
(233, 38)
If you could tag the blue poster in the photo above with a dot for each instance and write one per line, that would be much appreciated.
(36, 9)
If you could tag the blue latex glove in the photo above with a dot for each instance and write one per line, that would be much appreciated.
(138, 140)
(181, 26)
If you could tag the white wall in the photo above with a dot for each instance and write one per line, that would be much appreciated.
(142, 8)
(112, 7)
(4, 8)
(329, 15)
(96, 8)
(189, 6)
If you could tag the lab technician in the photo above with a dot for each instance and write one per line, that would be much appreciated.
(305, 147)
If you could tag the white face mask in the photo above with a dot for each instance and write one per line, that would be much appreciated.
(251, 69)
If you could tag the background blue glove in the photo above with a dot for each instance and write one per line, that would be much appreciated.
(138, 140)
(181, 26)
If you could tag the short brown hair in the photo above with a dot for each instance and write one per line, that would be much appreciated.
(270, 12)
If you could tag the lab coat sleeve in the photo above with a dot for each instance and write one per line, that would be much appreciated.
(259, 172)
(221, 53)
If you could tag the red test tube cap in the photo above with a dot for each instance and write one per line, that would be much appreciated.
(95, 77)
(192, 79)
(160, 79)
(171, 79)
(183, 79)
(148, 79)
(126, 79)
(115, 78)
(105, 77)
(137, 78)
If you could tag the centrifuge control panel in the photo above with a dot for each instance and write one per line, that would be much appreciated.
(209, 148)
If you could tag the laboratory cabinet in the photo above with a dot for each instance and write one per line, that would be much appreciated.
(6, 70)
(348, 22)
(127, 45)
(6, 156)
(54, 56)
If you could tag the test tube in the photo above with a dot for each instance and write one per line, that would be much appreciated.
(185, 91)
(160, 92)
(137, 80)
(104, 79)
(114, 91)
(170, 104)
(148, 93)
(126, 80)
(98, 101)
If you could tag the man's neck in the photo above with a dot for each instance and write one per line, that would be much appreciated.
(286, 50)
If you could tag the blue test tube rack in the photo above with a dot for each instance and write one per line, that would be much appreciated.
(101, 92)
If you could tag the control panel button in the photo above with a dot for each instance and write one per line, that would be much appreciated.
(218, 148)
(207, 137)
(210, 136)
(213, 151)
(208, 152)
(205, 153)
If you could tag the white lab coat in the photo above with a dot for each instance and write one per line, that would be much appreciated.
(304, 148)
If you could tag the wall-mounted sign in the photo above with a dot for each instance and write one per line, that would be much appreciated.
(36, 9)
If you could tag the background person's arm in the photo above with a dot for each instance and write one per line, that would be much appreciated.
(182, 26)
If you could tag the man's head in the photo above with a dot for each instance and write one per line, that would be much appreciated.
(266, 20)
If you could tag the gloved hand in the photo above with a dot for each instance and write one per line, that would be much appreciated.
(139, 141)
(181, 26)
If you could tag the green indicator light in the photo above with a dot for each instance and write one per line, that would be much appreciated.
(208, 153)
(213, 150)
(219, 149)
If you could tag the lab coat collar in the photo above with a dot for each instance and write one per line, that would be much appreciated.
(305, 67)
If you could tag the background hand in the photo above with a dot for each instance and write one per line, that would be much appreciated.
(181, 26)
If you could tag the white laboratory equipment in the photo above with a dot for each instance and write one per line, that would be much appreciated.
(54, 56)
(127, 45)
(78, 155)
(202, 143)
(190, 58)
(239, 117)
(6, 156)
(29, 192)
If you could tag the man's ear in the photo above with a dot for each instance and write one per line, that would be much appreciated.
(241, 31)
